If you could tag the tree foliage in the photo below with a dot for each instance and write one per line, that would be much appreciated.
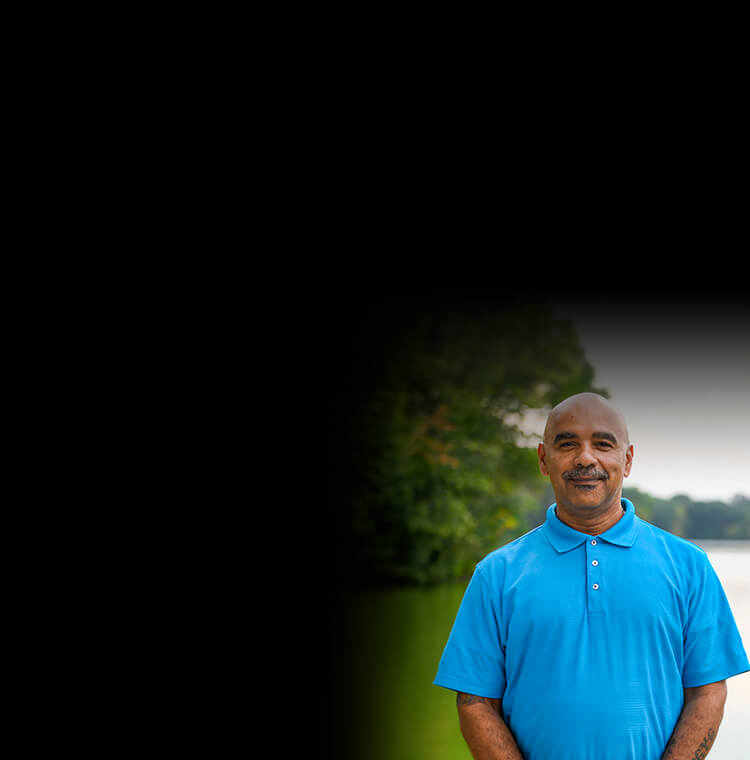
(427, 473)
(685, 517)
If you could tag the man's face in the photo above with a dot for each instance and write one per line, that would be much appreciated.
(586, 456)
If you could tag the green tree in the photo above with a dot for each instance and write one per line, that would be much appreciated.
(685, 517)
(434, 473)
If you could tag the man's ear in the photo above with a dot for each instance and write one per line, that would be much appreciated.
(542, 463)
(628, 460)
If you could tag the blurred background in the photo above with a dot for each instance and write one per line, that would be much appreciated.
(437, 401)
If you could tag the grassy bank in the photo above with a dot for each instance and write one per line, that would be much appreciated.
(387, 646)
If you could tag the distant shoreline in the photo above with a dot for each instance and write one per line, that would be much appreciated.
(725, 543)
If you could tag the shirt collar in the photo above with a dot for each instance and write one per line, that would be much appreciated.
(564, 538)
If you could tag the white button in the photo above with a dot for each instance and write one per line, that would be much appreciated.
(593, 542)
(595, 562)
(595, 586)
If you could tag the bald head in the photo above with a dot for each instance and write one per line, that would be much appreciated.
(586, 454)
(586, 406)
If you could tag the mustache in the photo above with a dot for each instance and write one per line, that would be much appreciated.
(585, 475)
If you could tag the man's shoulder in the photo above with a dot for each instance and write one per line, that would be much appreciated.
(512, 551)
(677, 546)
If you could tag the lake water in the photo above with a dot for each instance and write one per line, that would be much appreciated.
(387, 645)
(731, 561)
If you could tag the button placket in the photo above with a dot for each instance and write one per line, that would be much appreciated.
(593, 575)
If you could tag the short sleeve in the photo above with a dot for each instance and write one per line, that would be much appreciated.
(713, 647)
(473, 660)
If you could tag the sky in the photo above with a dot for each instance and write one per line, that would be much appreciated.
(680, 373)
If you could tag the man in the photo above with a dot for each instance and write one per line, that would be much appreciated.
(595, 636)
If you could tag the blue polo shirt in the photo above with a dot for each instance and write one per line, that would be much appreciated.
(589, 640)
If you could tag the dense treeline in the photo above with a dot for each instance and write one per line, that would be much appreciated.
(695, 519)
(425, 470)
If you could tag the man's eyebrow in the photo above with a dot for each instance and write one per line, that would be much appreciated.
(605, 435)
(564, 437)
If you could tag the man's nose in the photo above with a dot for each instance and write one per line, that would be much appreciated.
(585, 456)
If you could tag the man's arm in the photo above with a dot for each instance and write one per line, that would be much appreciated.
(698, 724)
(484, 730)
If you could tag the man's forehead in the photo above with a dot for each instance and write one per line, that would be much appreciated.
(586, 417)
(587, 425)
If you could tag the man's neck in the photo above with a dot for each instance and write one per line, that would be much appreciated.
(592, 523)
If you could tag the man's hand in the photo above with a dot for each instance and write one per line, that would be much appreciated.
(484, 730)
(698, 724)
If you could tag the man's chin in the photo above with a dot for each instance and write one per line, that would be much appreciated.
(588, 494)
